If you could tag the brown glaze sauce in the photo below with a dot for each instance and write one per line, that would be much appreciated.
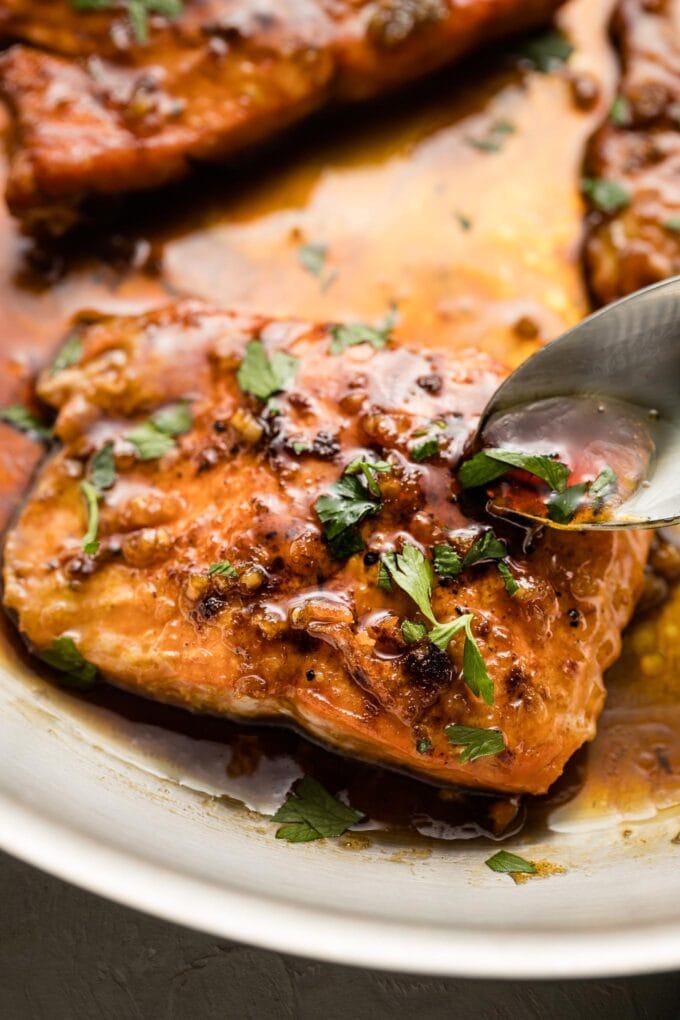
(477, 249)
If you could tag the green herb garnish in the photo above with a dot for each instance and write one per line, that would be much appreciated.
(476, 742)
(424, 745)
(368, 469)
(340, 511)
(605, 196)
(22, 419)
(672, 224)
(65, 657)
(422, 451)
(102, 471)
(262, 375)
(547, 51)
(446, 561)
(506, 863)
(413, 574)
(353, 333)
(312, 813)
(620, 112)
(601, 486)
(313, 258)
(138, 12)
(384, 581)
(413, 631)
(70, 354)
(154, 438)
(493, 463)
(494, 138)
(90, 543)
(464, 221)
(488, 547)
(222, 567)
(563, 505)
(509, 581)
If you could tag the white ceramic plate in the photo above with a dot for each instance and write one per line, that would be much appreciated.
(94, 806)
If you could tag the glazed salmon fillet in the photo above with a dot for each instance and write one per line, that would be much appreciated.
(100, 109)
(634, 226)
(226, 454)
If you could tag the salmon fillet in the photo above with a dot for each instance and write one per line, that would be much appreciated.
(98, 112)
(217, 585)
(633, 234)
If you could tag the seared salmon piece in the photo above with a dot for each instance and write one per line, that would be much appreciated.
(104, 105)
(253, 491)
(633, 162)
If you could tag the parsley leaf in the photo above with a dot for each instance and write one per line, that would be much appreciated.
(353, 333)
(264, 376)
(606, 196)
(474, 667)
(222, 567)
(446, 561)
(563, 505)
(149, 441)
(312, 813)
(412, 573)
(506, 863)
(620, 112)
(138, 12)
(90, 543)
(366, 468)
(509, 581)
(488, 547)
(601, 486)
(173, 420)
(22, 419)
(491, 464)
(384, 580)
(464, 221)
(313, 258)
(477, 742)
(340, 511)
(545, 52)
(70, 354)
(493, 140)
(102, 470)
(424, 745)
(672, 224)
(64, 656)
(428, 448)
(412, 631)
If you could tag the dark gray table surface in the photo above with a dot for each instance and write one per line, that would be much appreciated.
(68, 955)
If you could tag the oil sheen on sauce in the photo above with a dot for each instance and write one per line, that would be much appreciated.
(477, 249)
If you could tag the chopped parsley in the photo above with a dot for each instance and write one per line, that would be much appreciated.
(353, 333)
(475, 741)
(620, 112)
(312, 813)
(488, 547)
(563, 505)
(506, 863)
(605, 196)
(70, 354)
(464, 221)
(424, 745)
(423, 451)
(222, 567)
(547, 51)
(368, 468)
(138, 12)
(22, 419)
(672, 224)
(384, 581)
(411, 572)
(446, 561)
(102, 471)
(156, 437)
(413, 631)
(341, 510)
(493, 140)
(602, 485)
(65, 657)
(262, 375)
(493, 463)
(90, 543)
(313, 258)
(509, 581)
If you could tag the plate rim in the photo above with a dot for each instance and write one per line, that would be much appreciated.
(333, 936)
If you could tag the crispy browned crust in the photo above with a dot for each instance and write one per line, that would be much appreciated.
(239, 486)
(640, 244)
(97, 114)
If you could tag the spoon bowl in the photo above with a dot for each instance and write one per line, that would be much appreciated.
(623, 360)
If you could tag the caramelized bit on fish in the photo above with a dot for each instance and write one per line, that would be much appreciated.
(239, 568)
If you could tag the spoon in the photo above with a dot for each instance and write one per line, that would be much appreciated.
(608, 388)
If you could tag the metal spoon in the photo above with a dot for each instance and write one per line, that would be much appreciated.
(629, 353)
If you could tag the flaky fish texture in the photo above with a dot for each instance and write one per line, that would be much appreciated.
(288, 632)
